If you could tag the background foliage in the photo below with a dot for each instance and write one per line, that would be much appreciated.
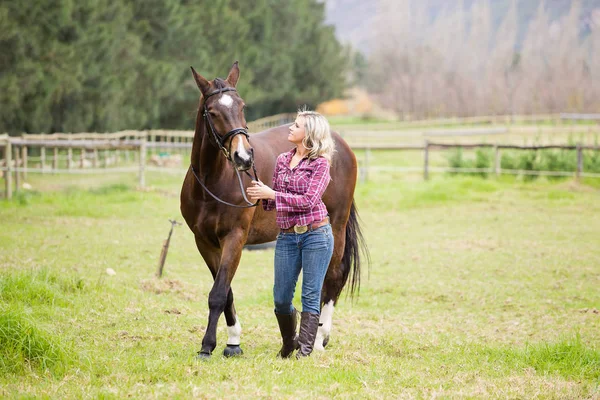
(435, 58)
(99, 65)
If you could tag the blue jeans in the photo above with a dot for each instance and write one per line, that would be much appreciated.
(310, 252)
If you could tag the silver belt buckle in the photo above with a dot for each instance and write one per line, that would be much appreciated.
(300, 229)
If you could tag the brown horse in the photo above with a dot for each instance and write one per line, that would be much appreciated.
(212, 200)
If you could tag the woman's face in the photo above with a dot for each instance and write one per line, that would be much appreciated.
(297, 133)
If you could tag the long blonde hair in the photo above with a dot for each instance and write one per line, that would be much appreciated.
(317, 139)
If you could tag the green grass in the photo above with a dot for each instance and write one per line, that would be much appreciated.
(478, 288)
(28, 349)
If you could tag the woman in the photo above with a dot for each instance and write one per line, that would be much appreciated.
(305, 241)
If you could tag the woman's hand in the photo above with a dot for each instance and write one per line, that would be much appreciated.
(259, 190)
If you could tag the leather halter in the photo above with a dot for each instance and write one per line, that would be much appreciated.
(211, 127)
(221, 140)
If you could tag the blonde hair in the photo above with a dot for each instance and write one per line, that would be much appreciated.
(317, 139)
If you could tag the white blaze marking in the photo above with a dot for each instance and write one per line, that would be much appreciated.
(234, 332)
(226, 100)
(325, 329)
(241, 151)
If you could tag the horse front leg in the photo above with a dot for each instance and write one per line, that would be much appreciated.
(234, 328)
(221, 296)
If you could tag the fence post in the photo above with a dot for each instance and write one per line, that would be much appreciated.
(127, 151)
(24, 157)
(43, 159)
(426, 165)
(496, 160)
(17, 172)
(81, 158)
(55, 160)
(8, 172)
(142, 158)
(579, 161)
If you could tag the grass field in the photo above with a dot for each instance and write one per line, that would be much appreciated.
(477, 289)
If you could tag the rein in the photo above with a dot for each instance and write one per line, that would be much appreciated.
(221, 144)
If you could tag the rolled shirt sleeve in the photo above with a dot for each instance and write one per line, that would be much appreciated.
(269, 204)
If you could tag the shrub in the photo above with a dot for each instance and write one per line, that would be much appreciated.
(508, 160)
(483, 159)
(455, 159)
(529, 161)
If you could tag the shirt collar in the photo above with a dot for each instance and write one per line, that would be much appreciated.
(290, 154)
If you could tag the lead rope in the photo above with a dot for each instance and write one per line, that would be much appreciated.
(250, 204)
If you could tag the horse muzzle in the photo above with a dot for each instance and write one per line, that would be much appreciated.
(243, 162)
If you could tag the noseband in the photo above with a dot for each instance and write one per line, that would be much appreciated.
(221, 140)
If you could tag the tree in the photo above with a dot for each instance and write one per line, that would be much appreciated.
(105, 65)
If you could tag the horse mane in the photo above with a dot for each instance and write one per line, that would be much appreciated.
(219, 83)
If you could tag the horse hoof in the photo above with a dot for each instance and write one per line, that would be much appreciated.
(325, 341)
(232, 350)
(202, 356)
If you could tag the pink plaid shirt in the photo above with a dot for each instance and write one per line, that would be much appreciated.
(298, 191)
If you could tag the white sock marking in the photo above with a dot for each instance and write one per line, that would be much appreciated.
(234, 332)
(226, 100)
(325, 325)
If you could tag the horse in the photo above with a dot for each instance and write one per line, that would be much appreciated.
(215, 208)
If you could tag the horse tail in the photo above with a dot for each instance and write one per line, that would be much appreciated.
(355, 245)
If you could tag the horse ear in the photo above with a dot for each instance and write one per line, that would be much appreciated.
(234, 74)
(202, 83)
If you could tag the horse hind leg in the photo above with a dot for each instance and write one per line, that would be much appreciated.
(325, 323)
(332, 287)
(234, 328)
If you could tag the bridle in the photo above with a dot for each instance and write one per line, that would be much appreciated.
(211, 127)
(220, 141)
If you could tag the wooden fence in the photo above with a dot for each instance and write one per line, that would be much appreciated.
(270, 122)
(496, 169)
(101, 153)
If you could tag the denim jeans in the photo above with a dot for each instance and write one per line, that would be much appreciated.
(310, 252)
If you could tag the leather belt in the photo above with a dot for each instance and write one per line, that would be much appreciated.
(299, 229)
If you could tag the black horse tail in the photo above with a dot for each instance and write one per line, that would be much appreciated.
(355, 245)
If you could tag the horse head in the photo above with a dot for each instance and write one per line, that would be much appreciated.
(223, 113)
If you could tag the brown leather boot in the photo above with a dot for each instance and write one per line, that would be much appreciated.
(309, 324)
(287, 327)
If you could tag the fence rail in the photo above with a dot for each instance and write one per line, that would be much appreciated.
(580, 117)
(496, 169)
